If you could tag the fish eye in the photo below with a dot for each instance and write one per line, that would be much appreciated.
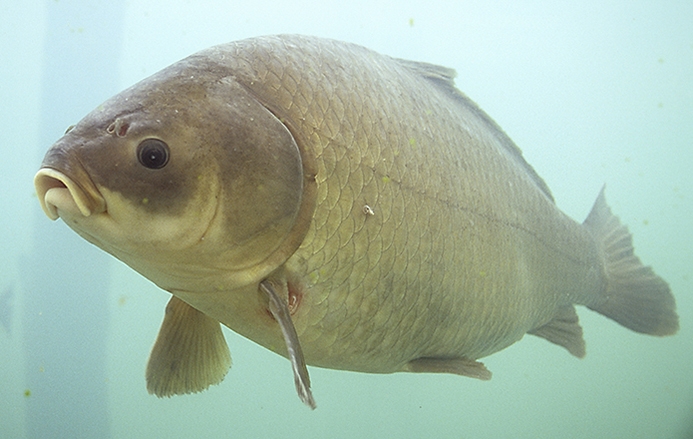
(153, 153)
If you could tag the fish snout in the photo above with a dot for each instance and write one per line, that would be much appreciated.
(61, 195)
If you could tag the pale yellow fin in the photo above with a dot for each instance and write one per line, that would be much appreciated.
(635, 296)
(280, 311)
(189, 354)
(564, 330)
(457, 366)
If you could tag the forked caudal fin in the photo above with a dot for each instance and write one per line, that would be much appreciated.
(635, 296)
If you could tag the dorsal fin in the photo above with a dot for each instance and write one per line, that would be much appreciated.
(444, 79)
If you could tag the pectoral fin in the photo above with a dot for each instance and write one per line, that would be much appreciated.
(564, 330)
(458, 366)
(280, 311)
(189, 354)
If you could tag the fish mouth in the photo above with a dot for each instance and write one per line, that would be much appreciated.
(60, 195)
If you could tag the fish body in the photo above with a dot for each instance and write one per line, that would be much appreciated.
(399, 226)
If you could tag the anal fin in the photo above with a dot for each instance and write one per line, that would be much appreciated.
(457, 366)
(564, 330)
(190, 352)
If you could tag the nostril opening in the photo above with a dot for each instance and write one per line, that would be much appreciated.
(118, 127)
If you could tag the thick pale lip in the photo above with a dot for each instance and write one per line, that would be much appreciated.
(60, 195)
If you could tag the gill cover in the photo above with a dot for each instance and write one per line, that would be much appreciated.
(230, 196)
(268, 194)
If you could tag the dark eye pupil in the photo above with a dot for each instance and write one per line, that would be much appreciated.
(153, 153)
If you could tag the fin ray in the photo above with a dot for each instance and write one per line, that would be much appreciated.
(564, 330)
(457, 366)
(280, 311)
(190, 352)
(635, 296)
(444, 79)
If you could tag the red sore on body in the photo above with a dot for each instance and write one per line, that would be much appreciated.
(295, 296)
(293, 299)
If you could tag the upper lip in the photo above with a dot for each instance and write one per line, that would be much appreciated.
(55, 189)
(63, 184)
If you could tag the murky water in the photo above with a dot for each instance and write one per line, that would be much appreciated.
(600, 92)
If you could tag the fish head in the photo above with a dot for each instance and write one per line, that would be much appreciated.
(186, 177)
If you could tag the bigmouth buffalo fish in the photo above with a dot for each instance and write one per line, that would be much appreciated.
(339, 207)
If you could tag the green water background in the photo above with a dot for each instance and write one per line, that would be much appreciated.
(593, 93)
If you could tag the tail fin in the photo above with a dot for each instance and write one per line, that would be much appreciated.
(635, 296)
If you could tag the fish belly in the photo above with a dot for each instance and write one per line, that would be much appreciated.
(431, 235)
